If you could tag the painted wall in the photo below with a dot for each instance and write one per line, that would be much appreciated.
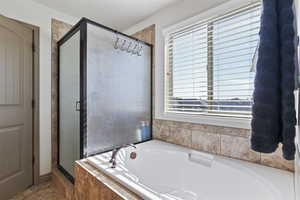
(33, 13)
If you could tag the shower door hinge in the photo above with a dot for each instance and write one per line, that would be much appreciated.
(33, 48)
(32, 103)
(33, 160)
(77, 105)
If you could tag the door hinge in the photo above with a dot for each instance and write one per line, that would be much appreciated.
(33, 160)
(33, 48)
(32, 103)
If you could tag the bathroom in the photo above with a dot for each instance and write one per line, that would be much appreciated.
(142, 100)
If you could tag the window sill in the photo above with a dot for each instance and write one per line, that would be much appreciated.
(232, 122)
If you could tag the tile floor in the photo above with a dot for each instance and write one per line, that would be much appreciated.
(43, 191)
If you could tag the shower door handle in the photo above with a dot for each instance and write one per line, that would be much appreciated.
(77, 106)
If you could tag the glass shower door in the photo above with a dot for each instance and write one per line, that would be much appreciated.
(69, 106)
(118, 92)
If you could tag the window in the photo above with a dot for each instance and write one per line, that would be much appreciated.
(209, 65)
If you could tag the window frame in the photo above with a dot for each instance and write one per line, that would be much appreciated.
(203, 118)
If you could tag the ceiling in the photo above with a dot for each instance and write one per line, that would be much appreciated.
(118, 14)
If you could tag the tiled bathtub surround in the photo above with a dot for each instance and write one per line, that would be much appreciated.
(92, 184)
(230, 142)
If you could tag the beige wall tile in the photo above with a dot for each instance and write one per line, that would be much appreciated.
(184, 125)
(180, 136)
(233, 142)
(170, 123)
(275, 160)
(157, 123)
(233, 131)
(156, 129)
(209, 142)
(204, 128)
(161, 131)
(238, 147)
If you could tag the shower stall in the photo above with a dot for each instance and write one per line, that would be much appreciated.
(105, 92)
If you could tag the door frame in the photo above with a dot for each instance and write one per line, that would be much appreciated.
(35, 98)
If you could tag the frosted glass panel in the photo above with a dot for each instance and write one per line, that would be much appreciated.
(118, 93)
(69, 144)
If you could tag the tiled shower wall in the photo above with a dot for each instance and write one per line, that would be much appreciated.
(61, 183)
(58, 30)
(225, 141)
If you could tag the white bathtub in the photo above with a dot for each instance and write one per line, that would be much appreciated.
(165, 171)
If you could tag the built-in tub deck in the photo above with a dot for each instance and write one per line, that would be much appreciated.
(92, 184)
(170, 172)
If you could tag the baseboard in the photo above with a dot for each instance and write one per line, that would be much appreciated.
(45, 178)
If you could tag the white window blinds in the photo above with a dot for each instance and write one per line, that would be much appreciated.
(208, 65)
